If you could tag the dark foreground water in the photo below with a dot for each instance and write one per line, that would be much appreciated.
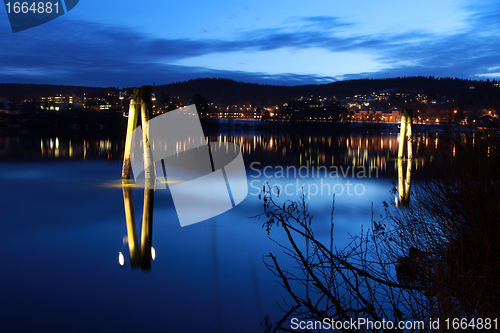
(63, 226)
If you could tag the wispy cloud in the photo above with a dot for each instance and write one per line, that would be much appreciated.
(77, 52)
(325, 23)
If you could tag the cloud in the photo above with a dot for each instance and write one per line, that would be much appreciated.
(77, 52)
(67, 51)
(325, 23)
(97, 55)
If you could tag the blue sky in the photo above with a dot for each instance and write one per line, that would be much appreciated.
(131, 43)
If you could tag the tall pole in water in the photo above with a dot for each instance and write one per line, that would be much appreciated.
(405, 139)
(149, 181)
(133, 116)
(141, 103)
(408, 115)
(130, 219)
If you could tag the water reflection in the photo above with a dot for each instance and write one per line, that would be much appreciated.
(226, 252)
(356, 149)
(140, 255)
(404, 181)
(71, 149)
(405, 144)
(344, 149)
(60, 148)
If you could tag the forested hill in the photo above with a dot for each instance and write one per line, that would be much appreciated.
(225, 91)
(19, 91)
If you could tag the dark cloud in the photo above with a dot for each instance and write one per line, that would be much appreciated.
(69, 52)
(96, 55)
(65, 51)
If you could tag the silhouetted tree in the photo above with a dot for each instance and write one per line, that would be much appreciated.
(438, 257)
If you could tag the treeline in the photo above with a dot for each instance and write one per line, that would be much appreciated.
(466, 94)
(443, 90)
(17, 92)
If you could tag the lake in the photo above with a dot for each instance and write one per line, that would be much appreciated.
(63, 229)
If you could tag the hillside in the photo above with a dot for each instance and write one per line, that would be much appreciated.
(229, 92)
(224, 91)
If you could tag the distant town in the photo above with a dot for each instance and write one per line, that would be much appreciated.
(449, 101)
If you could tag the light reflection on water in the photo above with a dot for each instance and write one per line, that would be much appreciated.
(354, 149)
(64, 227)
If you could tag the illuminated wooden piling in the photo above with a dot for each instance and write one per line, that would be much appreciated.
(147, 229)
(146, 111)
(130, 219)
(133, 116)
(149, 181)
(405, 140)
(404, 181)
(141, 102)
(406, 134)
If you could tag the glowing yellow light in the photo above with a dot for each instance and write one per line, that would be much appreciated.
(120, 184)
(153, 253)
(121, 259)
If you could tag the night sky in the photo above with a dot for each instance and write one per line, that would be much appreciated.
(131, 43)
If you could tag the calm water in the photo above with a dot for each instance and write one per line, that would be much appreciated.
(63, 226)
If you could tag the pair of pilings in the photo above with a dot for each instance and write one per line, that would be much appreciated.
(140, 103)
(405, 141)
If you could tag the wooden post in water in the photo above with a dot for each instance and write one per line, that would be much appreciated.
(149, 181)
(406, 134)
(146, 111)
(408, 116)
(130, 219)
(147, 229)
(401, 187)
(405, 139)
(133, 116)
(141, 103)
(402, 136)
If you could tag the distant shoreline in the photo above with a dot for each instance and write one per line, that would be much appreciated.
(113, 125)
